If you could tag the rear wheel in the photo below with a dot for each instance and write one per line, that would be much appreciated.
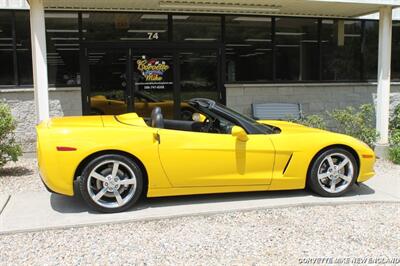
(111, 183)
(333, 173)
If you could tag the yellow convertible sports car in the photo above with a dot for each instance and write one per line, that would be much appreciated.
(115, 159)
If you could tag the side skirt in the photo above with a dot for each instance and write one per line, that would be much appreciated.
(162, 192)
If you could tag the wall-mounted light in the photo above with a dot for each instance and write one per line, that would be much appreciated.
(64, 38)
(200, 39)
(64, 15)
(257, 40)
(132, 39)
(145, 31)
(253, 19)
(289, 33)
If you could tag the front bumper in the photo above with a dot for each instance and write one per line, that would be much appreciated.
(366, 168)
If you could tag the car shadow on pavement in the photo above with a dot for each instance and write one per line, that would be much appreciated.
(64, 204)
(15, 171)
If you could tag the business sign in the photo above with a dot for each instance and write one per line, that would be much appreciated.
(154, 73)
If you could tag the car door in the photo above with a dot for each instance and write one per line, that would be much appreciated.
(208, 159)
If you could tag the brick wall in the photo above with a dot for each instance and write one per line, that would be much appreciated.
(314, 98)
(63, 102)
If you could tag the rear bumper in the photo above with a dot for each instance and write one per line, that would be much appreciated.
(52, 175)
(47, 187)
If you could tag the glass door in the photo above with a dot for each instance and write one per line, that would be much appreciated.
(134, 79)
(199, 75)
(107, 81)
(153, 82)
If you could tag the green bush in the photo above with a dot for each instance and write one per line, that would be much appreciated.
(358, 123)
(394, 149)
(314, 121)
(395, 119)
(9, 149)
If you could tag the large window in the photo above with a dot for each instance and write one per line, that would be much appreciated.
(395, 75)
(24, 53)
(196, 28)
(341, 50)
(124, 26)
(248, 48)
(296, 49)
(255, 48)
(6, 49)
(369, 50)
(62, 37)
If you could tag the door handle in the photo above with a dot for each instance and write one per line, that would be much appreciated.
(156, 138)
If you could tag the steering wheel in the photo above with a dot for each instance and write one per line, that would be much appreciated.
(209, 125)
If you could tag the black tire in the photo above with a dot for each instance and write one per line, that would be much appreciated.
(127, 166)
(320, 162)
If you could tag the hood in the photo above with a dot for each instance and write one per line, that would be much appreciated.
(289, 127)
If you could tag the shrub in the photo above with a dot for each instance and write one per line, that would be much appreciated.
(395, 119)
(314, 121)
(394, 149)
(9, 149)
(358, 123)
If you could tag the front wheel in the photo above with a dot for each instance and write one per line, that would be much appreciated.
(111, 183)
(333, 173)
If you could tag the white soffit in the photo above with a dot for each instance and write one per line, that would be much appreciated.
(395, 15)
(312, 8)
(13, 4)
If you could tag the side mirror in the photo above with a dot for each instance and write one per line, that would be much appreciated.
(198, 117)
(239, 133)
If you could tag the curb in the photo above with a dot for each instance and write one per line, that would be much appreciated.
(201, 213)
(3, 202)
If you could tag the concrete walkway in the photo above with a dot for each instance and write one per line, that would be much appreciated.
(41, 210)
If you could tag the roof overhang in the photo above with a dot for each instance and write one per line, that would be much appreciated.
(311, 8)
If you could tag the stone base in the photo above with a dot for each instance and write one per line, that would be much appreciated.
(62, 102)
(382, 151)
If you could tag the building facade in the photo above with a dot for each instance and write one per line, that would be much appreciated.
(111, 62)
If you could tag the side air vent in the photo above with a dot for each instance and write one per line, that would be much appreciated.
(287, 164)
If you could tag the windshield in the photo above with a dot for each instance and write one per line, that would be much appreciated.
(265, 129)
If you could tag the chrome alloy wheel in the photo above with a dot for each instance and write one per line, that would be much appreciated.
(111, 184)
(335, 172)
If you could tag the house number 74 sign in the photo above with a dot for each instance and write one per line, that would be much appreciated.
(152, 35)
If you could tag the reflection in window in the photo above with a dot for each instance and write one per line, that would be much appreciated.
(6, 49)
(125, 26)
(198, 75)
(341, 49)
(62, 48)
(248, 48)
(396, 51)
(369, 49)
(24, 53)
(196, 28)
(296, 49)
(108, 90)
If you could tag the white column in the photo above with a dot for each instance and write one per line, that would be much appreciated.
(38, 39)
(384, 58)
